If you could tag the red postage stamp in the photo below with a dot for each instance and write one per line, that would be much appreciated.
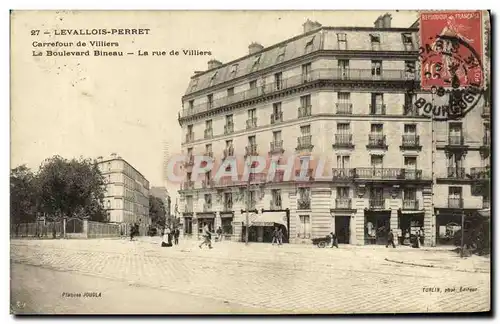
(451, 49)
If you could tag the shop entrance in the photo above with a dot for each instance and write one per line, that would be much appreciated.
(342, 231)
(449, 228)
(377, 226)
(409, 225)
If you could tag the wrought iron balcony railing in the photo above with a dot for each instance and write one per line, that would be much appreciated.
(228, 129)
(410, 110)
(189, 137)
(456, 173)
(276, 117)
(304, 111)
(410, 141)
(377, 141)
(377, 109)
(251, 149)
(304, 203)
(480, 173)
(304, 142)
(410, 204)
(377, 203)
(209, 133)
(256, 178)
(455, 202)
(343, 140)
(344, 108)
(319, 74)
(455, 140)
(343, 203)
(276, 147)
(251, 123)
(387, 173)
(342, 173)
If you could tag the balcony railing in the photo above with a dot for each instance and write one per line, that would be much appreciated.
(455, 202)
(188, 209)
(376, 141)
(228, 206)
(387, 173)
(342, 173)
(455, 140)
(304, 111)
(410, 204)
(210, 154)
(251, 149)
(343, 203)
(343, 140)
(187, 185)
(228, 151)
(377, 109)
(377, 203)
(228, 129)
(276, 147)
(308, 174)
(344, 108)
(275, 204)
(189, 137)
(207, 207)
(410, 141)
(207, 183)
(456, 173)
(319, 74)
(276, 117)
(304, 142)
(251, 123)
(480, 173)
(209, 133)
(304, 203)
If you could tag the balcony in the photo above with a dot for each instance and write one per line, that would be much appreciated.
(387, 173)
(304, 111)
(342, 174)
(410, 204)
(306, 174)
(207, 184)
(455, 202)
(189, 137)
(343, 203)
(251, 123)
(377, 109)
(456, 173)
(344, 108)
(228, 206)
(228, 129)
(276, 118)
(455, 140)
(276, 147)
(376, 141)
(207, 207)
(187, 185)
(209, 133)
(275, 204)
(228, 151)
(410, 142)
(304, 142)
(294, 81)
(410, 110)
(251, 150)
(482, 173)
(343, 141)
(225, 182)
(304, 203)
(377, 203)
(188, 208)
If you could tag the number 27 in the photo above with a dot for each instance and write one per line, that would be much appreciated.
(35, 32)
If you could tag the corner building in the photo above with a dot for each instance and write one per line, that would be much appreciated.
(341, 94)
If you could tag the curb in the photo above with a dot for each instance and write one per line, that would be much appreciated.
(436, 267)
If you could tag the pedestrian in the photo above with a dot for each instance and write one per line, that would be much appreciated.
(275, 236)
(334, 240)
(219, 234)
(207, 237)
(280, 237)
(132, 231)
(166, 240)
(176, 235)
(390, 239)
(417, 239)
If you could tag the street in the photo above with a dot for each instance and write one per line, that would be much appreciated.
(141, 277)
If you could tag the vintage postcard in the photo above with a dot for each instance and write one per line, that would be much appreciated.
(250, 162)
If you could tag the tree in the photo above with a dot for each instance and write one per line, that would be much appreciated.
(23, 193)
(73, 188)
(157, 211)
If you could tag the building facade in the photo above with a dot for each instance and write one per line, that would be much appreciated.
(162, 193)
(127, 191)
(340, 95)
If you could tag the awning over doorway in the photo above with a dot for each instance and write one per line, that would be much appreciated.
(269, 219)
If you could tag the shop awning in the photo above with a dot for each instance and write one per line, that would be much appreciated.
(269, 219)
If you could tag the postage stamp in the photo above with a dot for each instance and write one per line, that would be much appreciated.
(451, 49)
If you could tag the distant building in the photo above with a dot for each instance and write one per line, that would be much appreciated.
(162, 193)
(127, 191)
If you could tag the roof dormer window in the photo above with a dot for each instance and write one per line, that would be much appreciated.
(212, 78)
(256, 62)
(281, 54)
(309, 45)
(234, 70)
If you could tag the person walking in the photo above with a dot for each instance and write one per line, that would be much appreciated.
(177, 233)
(132, 231)
(219, 234)
(390, 239)
(280, 237)
(166, 240)
(275, 236)
(334, 240)
(206, 237)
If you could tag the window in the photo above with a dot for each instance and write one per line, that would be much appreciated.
(188, 225)
(191, 104)
(409, 194)
(281, 54)
(253, 84)
(343, 128)
(277, 136)
(208, 124)
(210, 100)
(407, 41)
(109, 166)
(208, 199)
(228, 200)
(306, 72)
(229, 119)
(276, 199)
(343, 68)
(343, 97)
(230, 92)
(375, 41)
(342, 192)
(252, 196)
(377, 107)
(305, 130)
(376, 68)
(229, 143)
(194, 85)
(410, 67)
(377, 161)
(252, 113)
(343, 161)
(377, 128)
(256, 62)
(309, 45)
(234, 70)
(190, 151)
(305, 101)
(252, 140)
(305, 226)
(277, 108)
(410, 162)
(208, 148)
(410, 129)
(342, 41)
(455, 197)
(455, 133)
(212, 79)
(278, 80)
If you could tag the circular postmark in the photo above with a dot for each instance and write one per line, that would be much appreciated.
(452, 74)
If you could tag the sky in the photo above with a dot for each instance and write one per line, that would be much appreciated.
(95, 106)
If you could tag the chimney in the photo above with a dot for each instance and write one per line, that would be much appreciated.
(254, 48)
(387, 20)
(379, 23)
(212, 64)
(310, 25)
(113, 155)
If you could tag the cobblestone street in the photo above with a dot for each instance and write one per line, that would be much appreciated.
(255, 278)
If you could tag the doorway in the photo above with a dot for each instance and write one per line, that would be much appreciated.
(342, 232)
(377, 226)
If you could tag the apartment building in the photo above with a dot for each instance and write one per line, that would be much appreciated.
(342, 95)
(127, 191)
